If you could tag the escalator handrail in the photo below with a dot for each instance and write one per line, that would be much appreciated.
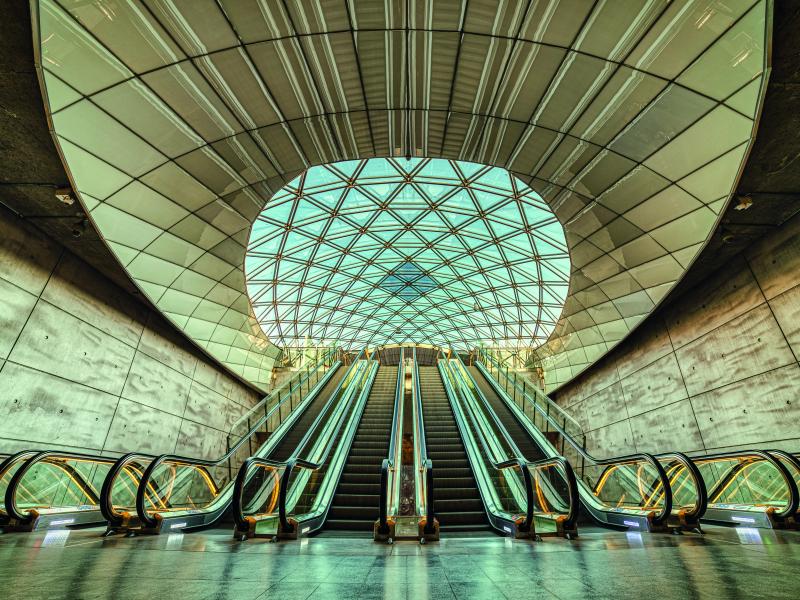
(12, 459)
(106, 504)
(239, 483)
(510, 463)
(328, 406)
(141, 511)
(701, 505)
(425, 463)
(794, 460)
(388, 463)
(660, 517)
(531, 385)
(794, 500)
(488, 409)
(701, 502)
(11, 491)
(571, 520)
(5, 466)
(292, 462)
(297, 462)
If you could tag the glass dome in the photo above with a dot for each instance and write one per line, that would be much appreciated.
(389, 250)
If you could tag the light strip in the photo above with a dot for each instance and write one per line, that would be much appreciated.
(632, 523)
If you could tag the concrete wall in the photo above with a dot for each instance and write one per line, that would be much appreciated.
(87, 367)
(715, 369)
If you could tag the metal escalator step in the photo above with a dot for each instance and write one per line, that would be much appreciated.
(349, 524)
(355, 512)
(372, 488)
(356, 500)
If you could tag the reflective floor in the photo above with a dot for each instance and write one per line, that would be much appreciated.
(725, 563)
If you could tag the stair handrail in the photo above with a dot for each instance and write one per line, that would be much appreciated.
(423, 464)
(201, 464)
(390, 464)
(295, 461)
(659, 517)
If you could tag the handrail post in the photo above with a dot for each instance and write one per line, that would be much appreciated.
(514, 387)
(583, 457)
(227, 450)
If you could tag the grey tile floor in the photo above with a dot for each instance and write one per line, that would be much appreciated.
(725, 563)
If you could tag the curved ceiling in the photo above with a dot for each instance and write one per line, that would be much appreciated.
(425, 251)
(178, 120)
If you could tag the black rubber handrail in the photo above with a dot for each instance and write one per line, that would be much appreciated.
(34, 458)
(515, 462)
(141, 492)
(425, 462)
(571, 520)
(114, 518)
(290, 464)
(791, 458)
(701, 505)
(794, 497)
(660, 517)
(388, 463)
(5, 467)
(701, 501)
(238, 489)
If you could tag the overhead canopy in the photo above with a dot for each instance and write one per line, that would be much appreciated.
(179, 120)
(425, 251)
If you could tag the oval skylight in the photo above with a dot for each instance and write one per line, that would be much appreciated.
(389, 250)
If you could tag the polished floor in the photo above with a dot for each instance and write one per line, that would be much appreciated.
(724, 563)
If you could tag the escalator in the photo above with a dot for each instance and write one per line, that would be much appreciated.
(457, 501)
(291, 498)
(179, 493)
(355, 504)
(755, 488)
(521, 438)
(289, 442)
(139, 492)
(631, 492)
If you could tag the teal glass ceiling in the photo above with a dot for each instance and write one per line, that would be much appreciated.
(389, 250)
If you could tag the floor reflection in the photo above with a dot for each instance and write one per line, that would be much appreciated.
(723, 563)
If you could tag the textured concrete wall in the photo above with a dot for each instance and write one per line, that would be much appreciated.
(85, 366)
(715, 369)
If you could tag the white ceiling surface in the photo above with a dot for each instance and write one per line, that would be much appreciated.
(178, 120)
